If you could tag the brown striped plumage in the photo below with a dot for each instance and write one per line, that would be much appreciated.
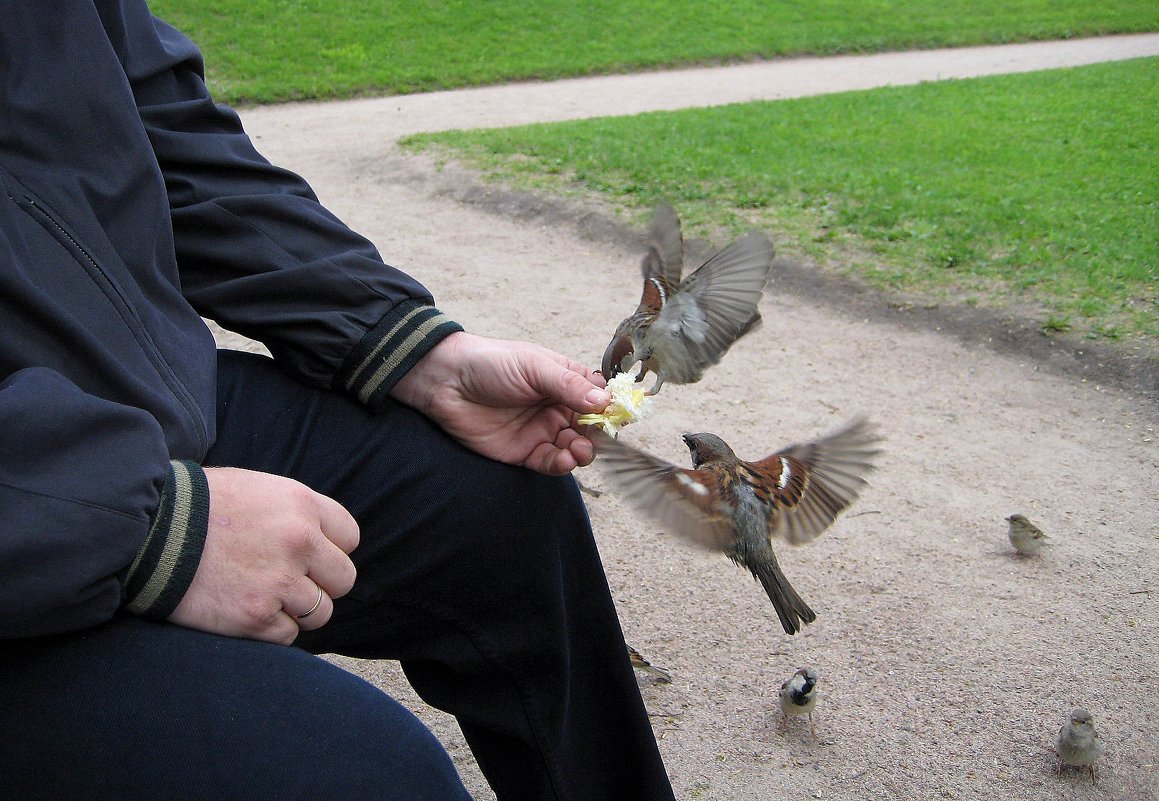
(726, 504)
(640, 663)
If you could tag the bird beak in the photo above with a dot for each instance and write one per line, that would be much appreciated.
(617, 350)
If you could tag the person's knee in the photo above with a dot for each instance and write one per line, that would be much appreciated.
(355, 741)
(383, 752)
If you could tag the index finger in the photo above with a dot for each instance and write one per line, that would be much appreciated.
(593, 376)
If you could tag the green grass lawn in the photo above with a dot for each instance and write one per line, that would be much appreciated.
(1040, 188)
(271, 50)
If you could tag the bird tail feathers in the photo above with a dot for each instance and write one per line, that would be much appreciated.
(791, 609)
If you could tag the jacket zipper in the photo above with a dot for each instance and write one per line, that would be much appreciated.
(132, 322)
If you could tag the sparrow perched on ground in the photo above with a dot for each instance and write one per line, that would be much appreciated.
(799, 697)
(683, 327)
(737, 507)
(1078, 743)
(642, 664)
(1026, 537)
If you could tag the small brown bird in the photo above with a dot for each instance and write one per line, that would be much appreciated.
(681, 328)
(737, 507)
(1026, 537)
(640, 663)
(798, 696)
(1078, 743)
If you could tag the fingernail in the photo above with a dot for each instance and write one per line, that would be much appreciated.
(598, 397)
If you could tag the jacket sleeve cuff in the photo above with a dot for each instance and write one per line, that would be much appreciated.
(163, 570)
(392, 348)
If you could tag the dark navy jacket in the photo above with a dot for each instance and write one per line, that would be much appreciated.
(130, 206)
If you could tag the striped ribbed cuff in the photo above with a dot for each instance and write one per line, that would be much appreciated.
(157, 580)
(391, 348)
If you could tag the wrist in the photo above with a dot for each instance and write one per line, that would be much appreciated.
(438, 368)
(392, 349)
(157, 579)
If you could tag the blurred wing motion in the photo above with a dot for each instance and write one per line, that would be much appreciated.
(816, 481)
(712, 309)
(680, 327)
(671, 495)
(804, 487)
(665, 256)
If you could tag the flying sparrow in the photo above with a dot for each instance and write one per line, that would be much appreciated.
(683, 327)
(642, 664)
(737, 507)
(1026, 537)
(799, 697)
(1078, 743)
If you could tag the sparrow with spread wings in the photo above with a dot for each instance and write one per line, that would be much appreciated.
(726, 504)
(682, 327)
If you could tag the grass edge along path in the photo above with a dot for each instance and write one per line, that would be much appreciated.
(1038, 189)
(260, 51)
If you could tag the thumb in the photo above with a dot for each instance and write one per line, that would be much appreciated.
(563, 383)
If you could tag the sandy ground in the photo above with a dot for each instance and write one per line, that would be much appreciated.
(947, 663)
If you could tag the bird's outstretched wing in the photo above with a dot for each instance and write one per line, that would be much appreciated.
(685, 502)
(712, 308)
(816, 481)
(665, 243)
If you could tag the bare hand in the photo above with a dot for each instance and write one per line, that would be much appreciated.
(512, 401)
(272, 544)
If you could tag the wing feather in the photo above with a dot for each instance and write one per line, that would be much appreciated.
(665, 245)
(713, 307)
(824, 478)
(684, 501)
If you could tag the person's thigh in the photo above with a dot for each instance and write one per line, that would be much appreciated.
(461, 537)
(134, 709)
(483, 579)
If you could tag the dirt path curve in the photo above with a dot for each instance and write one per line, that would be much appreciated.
(334, 125)
(947, 664)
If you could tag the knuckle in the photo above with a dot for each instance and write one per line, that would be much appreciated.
(261, 613)
(302, 500)
(282, 584)
(346, 582)
(300, 494)
(300, 536)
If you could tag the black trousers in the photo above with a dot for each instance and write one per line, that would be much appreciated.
(482, 579)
